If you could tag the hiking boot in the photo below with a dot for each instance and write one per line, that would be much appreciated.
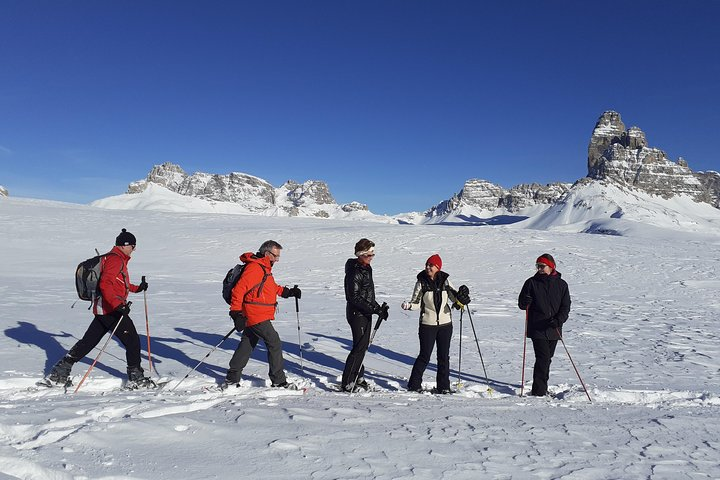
(444, 391)
(362, 384)
(284, 384)
(60, 372)
(227, 384)
(137, 379)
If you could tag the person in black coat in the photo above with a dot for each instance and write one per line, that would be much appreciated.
(546, 299)
(361, 305)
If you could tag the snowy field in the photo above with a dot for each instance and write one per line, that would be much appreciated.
(643, 332)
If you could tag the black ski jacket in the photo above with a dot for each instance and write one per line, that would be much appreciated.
(548, 300)
(359, 290)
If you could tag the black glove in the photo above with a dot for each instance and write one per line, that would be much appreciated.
(383, 315)
(291, 292)
(123, 309)
(526, 300)
(463, 295)
(553, 323)
(143, 285)
(238, 319)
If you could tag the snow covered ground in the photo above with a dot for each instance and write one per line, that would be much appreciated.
(643, 332)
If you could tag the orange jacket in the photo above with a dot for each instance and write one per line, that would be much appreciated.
(257, 302)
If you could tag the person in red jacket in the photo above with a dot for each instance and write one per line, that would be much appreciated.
(252, 308)
(114, 287)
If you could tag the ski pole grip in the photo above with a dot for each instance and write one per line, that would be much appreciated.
(142, 279)
(297, 306)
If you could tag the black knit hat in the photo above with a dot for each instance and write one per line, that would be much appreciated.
(125, 238)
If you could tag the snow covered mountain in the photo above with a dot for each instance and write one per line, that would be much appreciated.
(3, 191)
(169, 188)
(627, 182)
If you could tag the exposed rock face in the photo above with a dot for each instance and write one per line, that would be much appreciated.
(354, 207)
(168, 175)
(252, 192)
(527, 195)
(485, 195)
(312, 191)
(623, 156)
(711, 181)
(3, 191)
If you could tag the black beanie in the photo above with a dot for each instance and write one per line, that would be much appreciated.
(125, 238)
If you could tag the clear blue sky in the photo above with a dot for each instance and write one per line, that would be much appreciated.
(393, 103)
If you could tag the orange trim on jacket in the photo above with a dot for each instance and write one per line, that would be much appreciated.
(258, 305)
(114, 281)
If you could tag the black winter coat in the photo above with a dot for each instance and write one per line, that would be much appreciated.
(359, 290)
(550, 304)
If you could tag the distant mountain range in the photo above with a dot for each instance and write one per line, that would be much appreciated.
(625, 177)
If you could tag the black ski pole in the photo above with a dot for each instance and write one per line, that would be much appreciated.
(384, 308)
(478, 345)
(204, 358)
(297, 314)
(573, 364)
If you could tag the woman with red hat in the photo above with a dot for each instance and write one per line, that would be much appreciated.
(432, 296)
(546, 298)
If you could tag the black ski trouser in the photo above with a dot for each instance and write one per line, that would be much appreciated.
(354, 368)
(251, 335)
(430, 335)
(544, 351)
(102, 324)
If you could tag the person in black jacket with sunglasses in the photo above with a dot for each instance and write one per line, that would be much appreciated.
(546, 298)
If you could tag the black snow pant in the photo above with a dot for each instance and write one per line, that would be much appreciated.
(101, 324)
(544, 351)
(354, 368)
(251, 335)
(430, 335)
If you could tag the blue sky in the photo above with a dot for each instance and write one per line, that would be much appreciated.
(393, 103)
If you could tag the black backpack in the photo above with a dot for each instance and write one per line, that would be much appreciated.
(233, 276)
(87, 277)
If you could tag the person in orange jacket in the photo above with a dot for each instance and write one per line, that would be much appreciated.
(114, 287)
(252, 308)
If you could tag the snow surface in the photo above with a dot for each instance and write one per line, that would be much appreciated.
(643, 332)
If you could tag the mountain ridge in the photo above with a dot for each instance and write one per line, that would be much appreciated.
(620, 163)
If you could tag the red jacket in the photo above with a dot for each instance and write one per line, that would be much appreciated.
(257, 304)
(114, 281)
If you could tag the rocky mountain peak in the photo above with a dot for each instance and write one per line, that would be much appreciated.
(311, 198)
(3, 192)
(623, 156)
(312, 191)
(486, 196)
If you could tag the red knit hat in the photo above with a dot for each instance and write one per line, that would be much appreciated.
(546, 259)
(435, 260)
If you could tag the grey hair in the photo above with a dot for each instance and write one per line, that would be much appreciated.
(267, 246)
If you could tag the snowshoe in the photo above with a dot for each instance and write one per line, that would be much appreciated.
(137, 379)
(225, 385)
(50, 383)
(286, 384)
